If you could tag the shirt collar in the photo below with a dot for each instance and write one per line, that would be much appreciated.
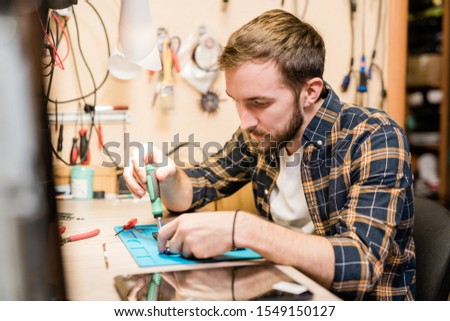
(323, 120)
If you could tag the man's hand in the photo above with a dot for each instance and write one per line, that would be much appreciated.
(200, 235)
(135, 175)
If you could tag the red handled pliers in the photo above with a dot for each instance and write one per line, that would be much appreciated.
(77, 237)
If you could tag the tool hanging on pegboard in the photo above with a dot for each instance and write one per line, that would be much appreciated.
(200, 68)
(209, 102)
(164, 87)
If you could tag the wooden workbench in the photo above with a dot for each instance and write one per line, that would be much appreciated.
(86, 275)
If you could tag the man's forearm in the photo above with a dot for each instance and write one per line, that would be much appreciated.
(176, 192)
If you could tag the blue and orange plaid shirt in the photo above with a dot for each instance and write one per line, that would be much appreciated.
(357, 178)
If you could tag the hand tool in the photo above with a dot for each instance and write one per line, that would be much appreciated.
(100, 136)
(154, 193)
(84, 147)
(131, 223)
(167, 250)
(153, 290)
(74, 151)
(167, 90)
(60, 140)
(77, 237)
(175, 44)
(100, 108)
(157, 91)
(209, 102)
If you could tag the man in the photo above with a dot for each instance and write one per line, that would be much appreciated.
(332, 182)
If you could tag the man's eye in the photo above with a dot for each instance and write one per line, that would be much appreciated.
(260, 104)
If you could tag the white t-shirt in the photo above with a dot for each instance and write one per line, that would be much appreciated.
(287, 201)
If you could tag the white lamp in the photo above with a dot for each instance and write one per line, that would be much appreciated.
(137, 41)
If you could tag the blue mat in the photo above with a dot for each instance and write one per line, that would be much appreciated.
(143, 247)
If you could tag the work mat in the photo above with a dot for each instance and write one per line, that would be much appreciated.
(143, 247)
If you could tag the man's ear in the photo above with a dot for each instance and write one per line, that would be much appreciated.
(312, 90)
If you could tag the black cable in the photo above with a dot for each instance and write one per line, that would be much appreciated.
(80, 88)
(59, 157)
(347, 77)
(83, 154)
(91, 111)
(377, 32)
(107, 73)
(383, 93)
(363, 29)
(105, 150)
(84, 58)
(186, 144)
(49, 31)
(362, 86)
(49, 86)
(373, 65)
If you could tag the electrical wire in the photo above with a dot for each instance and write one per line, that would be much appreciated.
(373, 65)
(63, 32)
(176, 148)
(347, 77)
(383, 92)
(83, 158)
(84, 59)
(96, 88)
(56, 58)
(82, 96)
(363, 29)
(80, 88)
(377, 32)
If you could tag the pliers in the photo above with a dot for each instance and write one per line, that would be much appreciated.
(77, 237)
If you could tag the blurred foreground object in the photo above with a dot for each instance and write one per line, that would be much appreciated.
(30, 265)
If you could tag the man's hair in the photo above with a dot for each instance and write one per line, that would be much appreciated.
(296, 47)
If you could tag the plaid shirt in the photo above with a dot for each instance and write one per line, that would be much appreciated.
(357, 178)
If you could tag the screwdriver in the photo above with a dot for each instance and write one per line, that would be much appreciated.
(153, 192)
(60, 140)
(131, 223)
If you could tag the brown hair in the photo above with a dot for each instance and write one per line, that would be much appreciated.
(296, 47)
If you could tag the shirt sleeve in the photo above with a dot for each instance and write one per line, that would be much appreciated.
(223, 173)
(364, 237)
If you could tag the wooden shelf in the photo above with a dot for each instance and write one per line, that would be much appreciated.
(441, 146)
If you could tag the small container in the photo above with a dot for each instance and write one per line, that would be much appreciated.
(81, 182)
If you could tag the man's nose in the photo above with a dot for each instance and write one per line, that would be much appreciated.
(248, 120)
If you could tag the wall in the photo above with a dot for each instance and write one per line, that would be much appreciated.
(182, 18)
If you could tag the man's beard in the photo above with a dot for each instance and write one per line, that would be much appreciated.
(271, 143)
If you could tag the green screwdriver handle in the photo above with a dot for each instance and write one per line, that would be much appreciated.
(153, 290)
(153, 190)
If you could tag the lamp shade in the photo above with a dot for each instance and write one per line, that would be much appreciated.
(137, 41)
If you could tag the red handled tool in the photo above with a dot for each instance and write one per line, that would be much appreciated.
(85, 155)
(74, 151)
(131, 223)
(100, 136)
(77, 237)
